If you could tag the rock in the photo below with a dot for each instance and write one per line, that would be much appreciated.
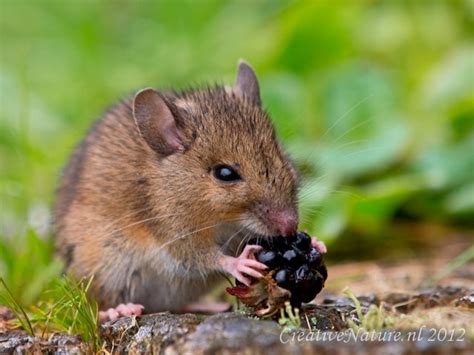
(19, 342)
(230, 332)
(150, 333)
(429, 298)
(224, 333)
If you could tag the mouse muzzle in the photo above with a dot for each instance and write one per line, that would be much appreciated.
(284, 221)
(279, 221)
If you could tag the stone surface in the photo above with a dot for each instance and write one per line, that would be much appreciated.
(150, 333)
(231, 332)
(19, 342)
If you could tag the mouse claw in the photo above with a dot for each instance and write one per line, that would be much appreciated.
(122, 310)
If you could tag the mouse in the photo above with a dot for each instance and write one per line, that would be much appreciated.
(158, 200)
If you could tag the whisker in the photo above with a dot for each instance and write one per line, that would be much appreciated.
(323, 160)
(330, 192)
(363, 151)
(231, 238)
(305, 160)
(346, 113)
(244, 240)
(319, 178)
(126, 216)
(139, 222)
(303, 196)
(175, 239)
(311, 213)
(352, 129)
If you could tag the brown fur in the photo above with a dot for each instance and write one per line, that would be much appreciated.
(149, 227)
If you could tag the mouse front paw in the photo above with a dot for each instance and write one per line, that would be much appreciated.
(244, 265)
(122, 310)
(316, 243)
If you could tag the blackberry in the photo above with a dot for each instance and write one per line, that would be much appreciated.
(302, 241)
(296, 265)
(314, 258)
(283, 278)
(269, 258)
(291, 257)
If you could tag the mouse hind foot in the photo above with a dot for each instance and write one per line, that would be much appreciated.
(122, 310)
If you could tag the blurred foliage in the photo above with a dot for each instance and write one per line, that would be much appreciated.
(374, 99)
(65, 307)
(27, 265)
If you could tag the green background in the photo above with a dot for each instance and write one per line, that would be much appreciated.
(374, 99)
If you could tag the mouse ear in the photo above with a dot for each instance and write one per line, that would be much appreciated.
(247, 82)
(156, 123)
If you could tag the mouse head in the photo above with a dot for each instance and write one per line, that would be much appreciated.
(215, 158)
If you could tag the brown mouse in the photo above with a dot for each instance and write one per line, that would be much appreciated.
(164, 190)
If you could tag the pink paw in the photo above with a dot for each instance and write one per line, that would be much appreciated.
(243, 265)
(122, 310)
(319, 245)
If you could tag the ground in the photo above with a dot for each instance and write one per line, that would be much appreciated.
(408, 297)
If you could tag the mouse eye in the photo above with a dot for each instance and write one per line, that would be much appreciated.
(226, 173)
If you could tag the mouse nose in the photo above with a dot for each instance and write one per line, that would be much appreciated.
(286, 221)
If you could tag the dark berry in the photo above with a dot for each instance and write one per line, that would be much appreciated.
(264, 242)
(283, 278)
(323, 271)
(301, 274)
(302, 241)
(314, 258)
(292, 257)
(268, 257)
(280, 244)
(296, 265)
(309, 288)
